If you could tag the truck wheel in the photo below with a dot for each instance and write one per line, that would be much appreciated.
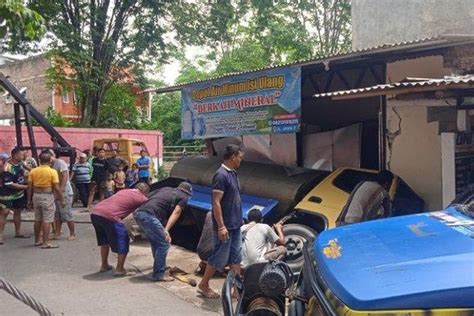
(295, 236)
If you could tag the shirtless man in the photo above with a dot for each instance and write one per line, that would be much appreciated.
(43, 191)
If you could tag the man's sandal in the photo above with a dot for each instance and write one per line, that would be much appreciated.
(49, 246)
(119, 274)
(105, 269)
(22, 236)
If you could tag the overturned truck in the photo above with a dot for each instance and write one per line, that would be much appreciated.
(310, 200)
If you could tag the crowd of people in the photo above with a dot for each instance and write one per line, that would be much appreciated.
(46, 188)
(124, 191)
(225, 241)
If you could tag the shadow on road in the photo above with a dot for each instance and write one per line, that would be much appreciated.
(140, 279)
(98, 276)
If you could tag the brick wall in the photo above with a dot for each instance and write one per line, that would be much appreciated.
(29, 73)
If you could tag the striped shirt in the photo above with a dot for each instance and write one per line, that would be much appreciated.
(82, 172)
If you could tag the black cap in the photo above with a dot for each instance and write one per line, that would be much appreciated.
(186, 187)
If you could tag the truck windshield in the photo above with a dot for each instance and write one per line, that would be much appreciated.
(348, 179)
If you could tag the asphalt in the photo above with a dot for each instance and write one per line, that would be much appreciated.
(66, 281)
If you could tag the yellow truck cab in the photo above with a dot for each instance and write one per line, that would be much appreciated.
(127, 148)
(321, 206)
(327, 199)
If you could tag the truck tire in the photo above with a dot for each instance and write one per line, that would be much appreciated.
(296, 235)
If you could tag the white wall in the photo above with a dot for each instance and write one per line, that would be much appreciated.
(376, 22)
(416, 151)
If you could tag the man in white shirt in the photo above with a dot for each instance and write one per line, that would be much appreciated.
(63, 214)
(260, 242)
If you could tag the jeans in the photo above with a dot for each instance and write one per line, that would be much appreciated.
(83, 192)
(155, 232)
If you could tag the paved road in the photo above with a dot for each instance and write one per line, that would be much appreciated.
(65, 280)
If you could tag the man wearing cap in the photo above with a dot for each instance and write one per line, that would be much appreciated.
(107, 216)
(156, 217)
(81, 173)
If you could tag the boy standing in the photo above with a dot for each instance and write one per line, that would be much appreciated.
(144, 167)
(100, 167)
(43, 191)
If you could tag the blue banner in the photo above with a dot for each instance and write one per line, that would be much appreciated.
(258, 103)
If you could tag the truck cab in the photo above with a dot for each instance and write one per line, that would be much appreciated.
(411, 265)
(127, 148)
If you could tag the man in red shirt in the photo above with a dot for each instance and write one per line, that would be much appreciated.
(110, 231)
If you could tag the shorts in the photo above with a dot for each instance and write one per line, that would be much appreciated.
(111, 233)
(43, 206)
(64, 214)
(226, 252)
(98, 186)
(17, 204)
(108, 194)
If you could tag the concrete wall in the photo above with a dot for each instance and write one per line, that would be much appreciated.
(29, 73)
(376, 22)
(82, 138)
(416, 153)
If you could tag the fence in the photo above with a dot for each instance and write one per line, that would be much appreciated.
(171, 154)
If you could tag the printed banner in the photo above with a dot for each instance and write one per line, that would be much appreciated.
(258, 103)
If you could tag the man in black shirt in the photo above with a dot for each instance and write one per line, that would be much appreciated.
(100, 167)
(115, 162)
(156, 217)
(7, 193)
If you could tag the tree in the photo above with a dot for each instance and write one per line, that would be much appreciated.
(119, 109)
(100, 40)
(293, 30)
(19, 25)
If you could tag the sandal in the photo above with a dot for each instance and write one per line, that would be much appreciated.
(49, 246)
(105, 269)
(209, 293)
(120, 274)
(22, 236)
(165, 279)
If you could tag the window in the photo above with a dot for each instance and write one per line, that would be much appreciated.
(65, 95)
(75, 98)
(348, 179)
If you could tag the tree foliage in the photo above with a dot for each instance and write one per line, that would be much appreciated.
(119, 109)
(248, 35)
(19, 25)
(101, 42)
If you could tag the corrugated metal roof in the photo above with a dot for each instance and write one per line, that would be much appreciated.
(430, 42)
(458, 81)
